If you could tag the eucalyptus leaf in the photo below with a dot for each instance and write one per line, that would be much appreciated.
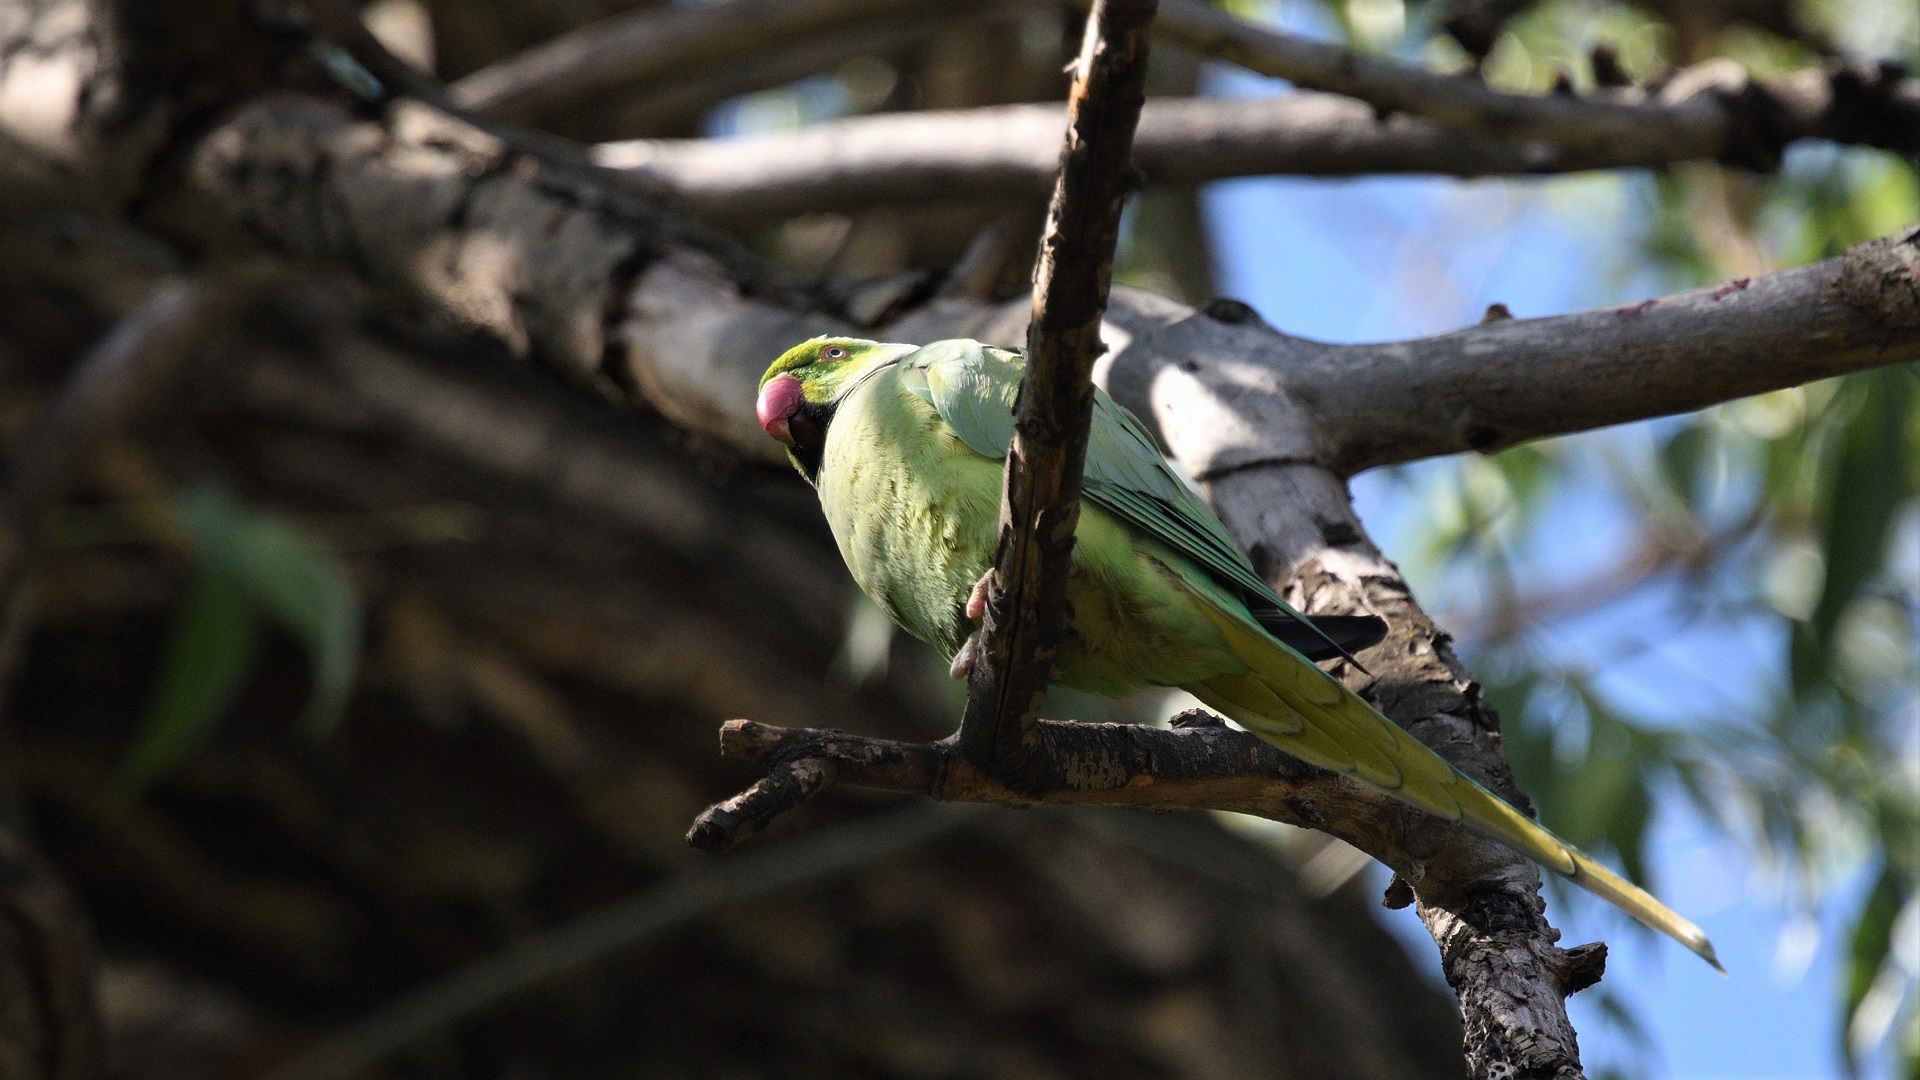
(212, 648)
(304, 586)
(1869, 479)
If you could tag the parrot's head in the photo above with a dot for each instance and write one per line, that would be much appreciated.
(799, 393)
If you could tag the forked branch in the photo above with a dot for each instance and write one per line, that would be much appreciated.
(1200, 764)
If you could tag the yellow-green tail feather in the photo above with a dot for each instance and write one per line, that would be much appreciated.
(1300, 709)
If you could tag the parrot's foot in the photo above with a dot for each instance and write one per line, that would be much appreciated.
(977, 599)
(976, 607)
(963, 660)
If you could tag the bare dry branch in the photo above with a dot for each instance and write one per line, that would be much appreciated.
(1202, 764)
(679, 105)
(1438, 124)
(1026, 610)
(932, 156)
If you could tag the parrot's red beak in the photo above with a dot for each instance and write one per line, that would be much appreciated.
(779, 400)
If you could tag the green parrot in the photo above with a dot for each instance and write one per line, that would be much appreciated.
(905, 445)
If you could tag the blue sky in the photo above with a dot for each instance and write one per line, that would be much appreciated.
(1387, 258)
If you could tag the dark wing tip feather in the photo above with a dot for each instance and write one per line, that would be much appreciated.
(1324, 637)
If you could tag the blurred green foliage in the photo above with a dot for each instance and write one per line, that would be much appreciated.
(1791, 518)
(249, 565)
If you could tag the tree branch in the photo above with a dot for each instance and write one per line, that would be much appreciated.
(654, 46)
(1009, 149)
(610, 291)
(918, 157)
(679, 105)
(1026, 611)
(1491, 386)
(1201, 764)
(1452, 125)
(1712, 111)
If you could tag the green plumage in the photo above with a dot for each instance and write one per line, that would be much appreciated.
(906, 449)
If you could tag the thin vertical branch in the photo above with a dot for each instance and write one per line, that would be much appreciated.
(1026, 612)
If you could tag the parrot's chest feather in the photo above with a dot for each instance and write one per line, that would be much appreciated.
(916, 514)
(913, 509)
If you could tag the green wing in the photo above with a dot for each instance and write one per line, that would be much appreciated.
(973, 386)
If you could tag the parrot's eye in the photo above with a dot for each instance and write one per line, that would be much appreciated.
(834, 352)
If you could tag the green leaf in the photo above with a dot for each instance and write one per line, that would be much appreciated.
(302, 584)
(1868, 481)
(1872, 940)
(1683, 461)
(312, 592)
(212, 647)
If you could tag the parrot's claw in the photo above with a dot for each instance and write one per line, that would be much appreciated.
(976, 607)
(977, 599)
(963, 660)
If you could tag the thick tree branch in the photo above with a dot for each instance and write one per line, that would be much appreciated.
(938, 155)
(1490, 386)
(932, 156)
(342, 25)
(579, 459)
(1026, 611)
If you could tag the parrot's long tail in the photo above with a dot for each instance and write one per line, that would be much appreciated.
(1309, 714)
